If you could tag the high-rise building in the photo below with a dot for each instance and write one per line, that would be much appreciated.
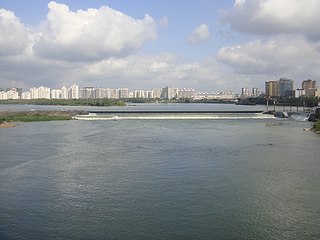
(245, 92)
(64, 92)
(285, 87)
(308, 84)
(123, 92)
(87, 93)
(299, 93)
(187, 93)
(114, 94)
(40, 93)
(73, 92)
(272, 88)
(10, 94)
(169, 93)
(255, 92)
(56, 93)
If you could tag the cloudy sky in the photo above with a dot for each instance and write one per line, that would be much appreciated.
(214, 45)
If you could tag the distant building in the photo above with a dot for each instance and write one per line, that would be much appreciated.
(40, 93)
(308, 84)
(138, 93)
(73, 92)
(310, 88)
(285, 87)
(255, 92)
(272, 88)
(299, 93)
(123, 92)
(56, 93)
(11, 93)
(64, 92)
(313, 92)
(87, 93)
(186, 93)
(245, 92)
(281, 88)
(157, 92)
(26, 95)
(169, 93)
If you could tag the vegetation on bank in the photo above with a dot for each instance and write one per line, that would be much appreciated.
(280, 101)
(286, 101)
(316, 127)
(66, 102)
(32, 118)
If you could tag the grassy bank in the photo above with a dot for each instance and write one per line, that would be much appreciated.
(66, 102)
(32, 118)
(316, 127)
(35, 116)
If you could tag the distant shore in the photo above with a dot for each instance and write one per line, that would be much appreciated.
(7, 125)
(67, 113)
(9, 118)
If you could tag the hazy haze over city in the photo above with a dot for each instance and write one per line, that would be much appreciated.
(202, 44)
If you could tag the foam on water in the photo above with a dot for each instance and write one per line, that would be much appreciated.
(182, 116)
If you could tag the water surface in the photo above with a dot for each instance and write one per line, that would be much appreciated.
(160, 179)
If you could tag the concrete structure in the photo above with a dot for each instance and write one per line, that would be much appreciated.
(299, 93)
(73, 92)
(308, 84)
(272, 88)
(313, 92)
(56, 93)
(123, 92)
(87, 93)
(169, 93)
(186, 93)
(40, 93)
(255, 92)
(64, 92)
(245, 92)
(11, 94)
(285, 87)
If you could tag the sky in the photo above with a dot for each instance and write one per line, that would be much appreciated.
(212, 45)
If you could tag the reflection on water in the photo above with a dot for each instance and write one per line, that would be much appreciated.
(228, 179)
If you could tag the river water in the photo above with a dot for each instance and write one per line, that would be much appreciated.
(160, 179)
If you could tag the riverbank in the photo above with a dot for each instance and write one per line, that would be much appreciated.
(66, 102)
(8, 118)
(7, 125)
(316, 127)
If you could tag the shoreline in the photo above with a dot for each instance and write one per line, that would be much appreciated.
(9, 119)
(70, 113)
(7, 125)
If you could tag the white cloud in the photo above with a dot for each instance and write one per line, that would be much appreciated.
(276, 17)
(14, 35)
(149, 71)
(200, 34)
(282, 55)
(92, 34)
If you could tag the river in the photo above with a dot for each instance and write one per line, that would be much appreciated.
(160, 179)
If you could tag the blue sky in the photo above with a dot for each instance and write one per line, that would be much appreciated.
(214, 45)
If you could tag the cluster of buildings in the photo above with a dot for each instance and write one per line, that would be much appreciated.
(254, 92)
(277, 88)
(74, 92)
(284, 88)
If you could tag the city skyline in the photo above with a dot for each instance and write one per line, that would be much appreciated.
(273, 88)
(207, 44)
